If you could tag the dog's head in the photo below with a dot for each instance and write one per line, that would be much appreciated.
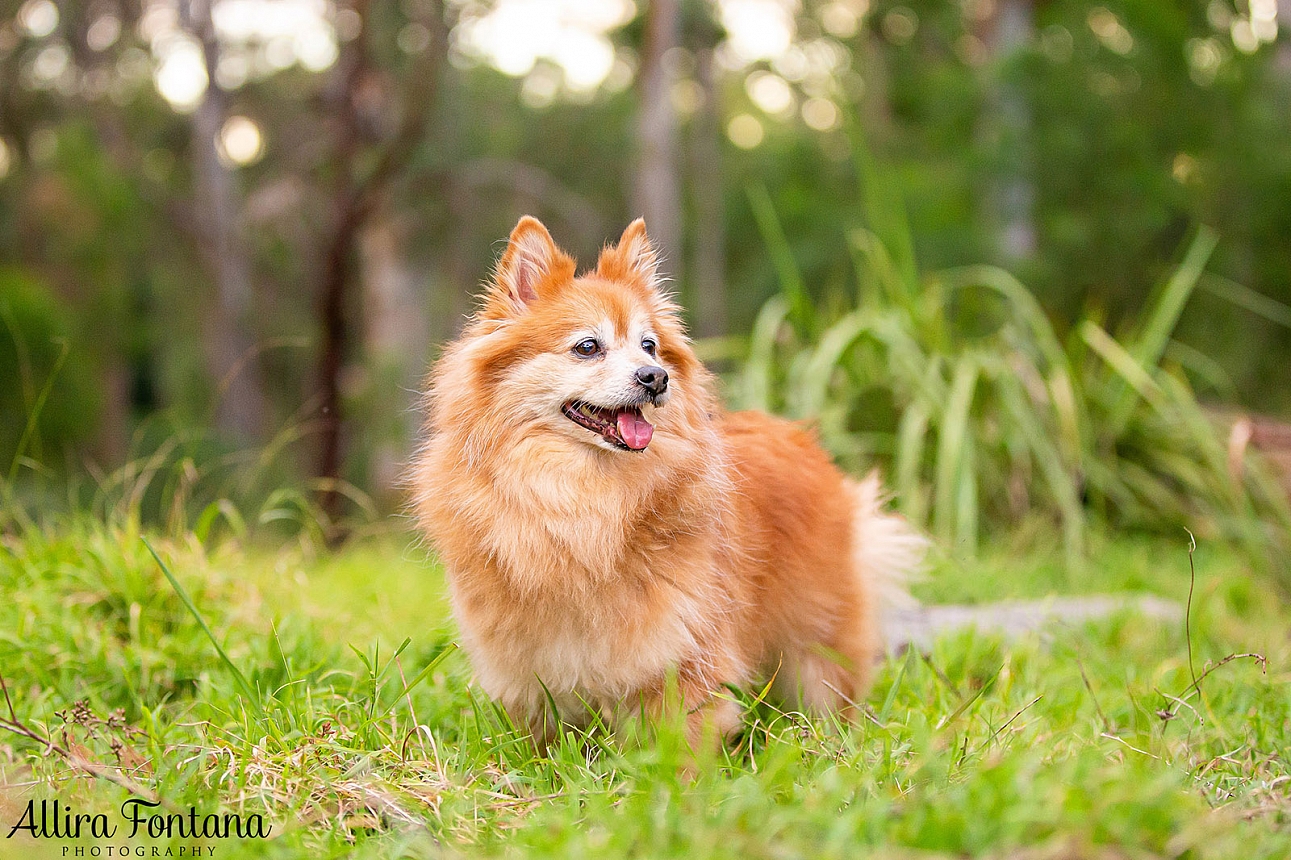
(598, 359)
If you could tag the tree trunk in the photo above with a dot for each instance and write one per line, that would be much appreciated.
(658, 190)
(1012, 199)
(710, 237)
(335, 330)
(353, 201)
(460, 280)
(396, 337)
(240, 406)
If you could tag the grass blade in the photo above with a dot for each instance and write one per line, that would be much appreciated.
(812, 392)
(966, 505)
(870, 256)
(951, 444)
(242, 682)
(1164, 316)
(1127, 368)
(1046, 455)
(912, 432)
(890, 699)
(885, 210)
(759, 369)
(422, 675)
(791, 283)
(968, 702)
(1248, 299)
(33, 417)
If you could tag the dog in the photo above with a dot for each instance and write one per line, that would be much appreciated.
(613, 539)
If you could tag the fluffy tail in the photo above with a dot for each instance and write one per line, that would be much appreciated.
(887, 552)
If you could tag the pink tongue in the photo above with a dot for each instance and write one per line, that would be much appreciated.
(634, 430)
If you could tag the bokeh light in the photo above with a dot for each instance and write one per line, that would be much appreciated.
(241, 142)
(756, 29)
(38, 18)
(1110, 31)
(745, 131)
(820, 114)
(103, 33)
(180, 77)
(770, 92)
(841, 19)
(515, 35)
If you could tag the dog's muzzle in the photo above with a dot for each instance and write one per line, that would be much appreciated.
(653, 379)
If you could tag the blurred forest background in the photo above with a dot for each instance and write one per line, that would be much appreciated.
(233, 232)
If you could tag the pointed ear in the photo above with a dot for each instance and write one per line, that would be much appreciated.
(635, 255)
(531, 256)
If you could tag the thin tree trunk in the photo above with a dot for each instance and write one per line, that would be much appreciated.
(112, 441)
(337, 272)
(658, 190)
(710, 237)
(1013, 195)
(396, 337)
(354, 199)
(1283, 48)
(241, 406)
(460, 282)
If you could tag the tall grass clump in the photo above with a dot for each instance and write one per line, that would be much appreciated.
(178, 476)
(181, 480)
(963, 388)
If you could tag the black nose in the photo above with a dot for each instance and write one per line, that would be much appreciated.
(653, 379)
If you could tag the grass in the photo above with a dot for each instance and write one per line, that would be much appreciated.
(982, 409)
(1089, 743)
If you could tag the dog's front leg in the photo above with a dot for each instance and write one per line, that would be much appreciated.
(693, 696)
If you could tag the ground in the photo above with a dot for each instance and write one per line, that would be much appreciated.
(1088, 741)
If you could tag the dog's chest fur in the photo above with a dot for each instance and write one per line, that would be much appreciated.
(595, 587)
(600, 653)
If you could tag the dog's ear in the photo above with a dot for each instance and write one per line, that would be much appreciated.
(634, 255)
(526, 269)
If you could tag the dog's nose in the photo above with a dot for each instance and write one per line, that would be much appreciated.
(653, 379)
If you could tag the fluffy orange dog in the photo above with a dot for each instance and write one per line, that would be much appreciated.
(606, 526)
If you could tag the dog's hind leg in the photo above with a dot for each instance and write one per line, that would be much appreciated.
(886, 553)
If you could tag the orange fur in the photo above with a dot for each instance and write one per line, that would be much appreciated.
(730, 548)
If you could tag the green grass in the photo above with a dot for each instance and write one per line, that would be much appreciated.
(1068, 746)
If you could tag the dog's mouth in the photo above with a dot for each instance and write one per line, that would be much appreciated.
(621, 426)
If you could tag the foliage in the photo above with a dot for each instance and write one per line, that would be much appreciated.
(34, 348)
(1088, 743)
(1121, 145)
(960, 383)
(190, 484)
(1128, 121)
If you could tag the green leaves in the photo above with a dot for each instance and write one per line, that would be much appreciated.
(995, 418)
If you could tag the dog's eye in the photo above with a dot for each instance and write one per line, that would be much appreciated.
(649, 345)
(587, 348)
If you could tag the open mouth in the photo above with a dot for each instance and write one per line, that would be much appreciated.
(621, 426)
